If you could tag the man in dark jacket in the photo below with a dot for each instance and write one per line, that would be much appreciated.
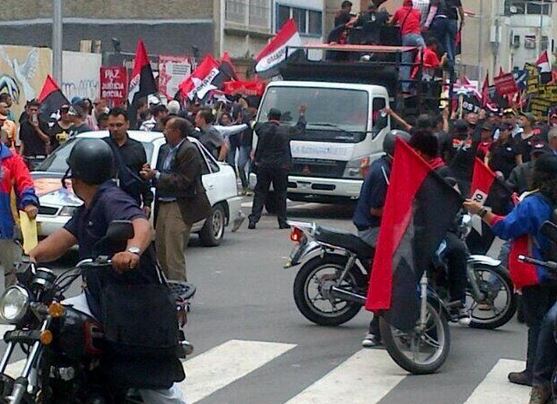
(180, 195)
(272, 161)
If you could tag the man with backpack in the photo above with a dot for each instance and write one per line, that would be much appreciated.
(130, 157)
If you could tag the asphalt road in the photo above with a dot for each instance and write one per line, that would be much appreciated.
(252, 346)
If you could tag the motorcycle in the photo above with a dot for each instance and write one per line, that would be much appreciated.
(62, 344)
(331, 287)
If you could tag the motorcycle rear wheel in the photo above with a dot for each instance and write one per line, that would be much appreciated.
(404, 347)
(339, 311)
(499, 288)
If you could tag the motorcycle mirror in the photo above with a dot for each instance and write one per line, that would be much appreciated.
(119, 230)
(549, 230)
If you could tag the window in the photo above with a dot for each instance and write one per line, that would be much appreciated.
(309, 22)
(283, 14)
(518, 7)
(315, 24)
(545, 43)
(248, 12)
(530, 41)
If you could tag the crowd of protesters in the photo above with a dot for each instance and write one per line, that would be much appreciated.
(223, 128)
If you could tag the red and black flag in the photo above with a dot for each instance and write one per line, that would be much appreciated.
(491, 192)
(205, 78)
(51, 98)
(142, 81)
(419, 208)
(227, 68)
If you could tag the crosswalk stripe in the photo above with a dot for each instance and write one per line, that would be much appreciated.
(496, 389)
(366, 377)
(226, 363)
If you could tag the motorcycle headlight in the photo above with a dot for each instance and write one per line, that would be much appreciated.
(14, 303)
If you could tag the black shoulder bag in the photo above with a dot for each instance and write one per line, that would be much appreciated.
(129, 181)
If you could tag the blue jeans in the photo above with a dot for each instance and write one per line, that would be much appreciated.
(445, 31)
(408, 57)
(546, 352)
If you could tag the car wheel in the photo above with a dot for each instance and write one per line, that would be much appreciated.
(212, 232)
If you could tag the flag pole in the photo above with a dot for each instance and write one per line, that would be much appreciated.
(57, 33)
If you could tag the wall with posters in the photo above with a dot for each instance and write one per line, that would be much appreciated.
(22, 72)
(80, 74)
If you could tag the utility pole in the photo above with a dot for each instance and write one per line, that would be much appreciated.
(480, 42)
(57, 50)
(541, 28)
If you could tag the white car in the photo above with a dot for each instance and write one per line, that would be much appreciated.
(58, 204)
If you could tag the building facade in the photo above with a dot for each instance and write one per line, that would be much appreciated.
(172, 27)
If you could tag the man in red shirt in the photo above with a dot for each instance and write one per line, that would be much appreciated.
(408, 18)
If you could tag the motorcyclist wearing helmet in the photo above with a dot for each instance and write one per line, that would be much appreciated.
(369, 210)
(91, 169)
(426, 144)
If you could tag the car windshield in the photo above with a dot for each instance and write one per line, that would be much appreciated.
(333, 114)
(56, 162)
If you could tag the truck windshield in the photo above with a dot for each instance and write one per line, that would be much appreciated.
(332, 115)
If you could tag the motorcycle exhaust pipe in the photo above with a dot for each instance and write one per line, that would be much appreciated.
(347, 296)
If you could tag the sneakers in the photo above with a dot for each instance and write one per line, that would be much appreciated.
(371, 341)
(463, 316)
(540, 394)
(251, 225)
(523, 378)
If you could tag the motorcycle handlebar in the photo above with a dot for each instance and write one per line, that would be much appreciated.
(547, 264)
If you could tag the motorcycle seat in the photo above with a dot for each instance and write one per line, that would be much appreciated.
(343, 239)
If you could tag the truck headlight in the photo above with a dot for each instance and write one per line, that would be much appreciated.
(357, 168)
(67, 211)
(14, 303)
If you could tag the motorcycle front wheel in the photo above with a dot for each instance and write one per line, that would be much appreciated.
(311, 286)
(419, 351)
(499, 303)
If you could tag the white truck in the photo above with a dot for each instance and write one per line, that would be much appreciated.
(344, 133)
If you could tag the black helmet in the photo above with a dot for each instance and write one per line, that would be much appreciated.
(390, 140)
(92, 161)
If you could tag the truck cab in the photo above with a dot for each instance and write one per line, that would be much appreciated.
(345, 127)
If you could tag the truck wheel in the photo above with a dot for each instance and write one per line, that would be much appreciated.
(212, 232)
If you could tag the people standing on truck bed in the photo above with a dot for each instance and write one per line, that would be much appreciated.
(408, 19)
(443, 21)
(372, 22)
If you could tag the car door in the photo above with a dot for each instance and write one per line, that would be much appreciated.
(210, 172)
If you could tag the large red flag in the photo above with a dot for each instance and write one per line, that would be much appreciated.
(142, 81)
(419, 208)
